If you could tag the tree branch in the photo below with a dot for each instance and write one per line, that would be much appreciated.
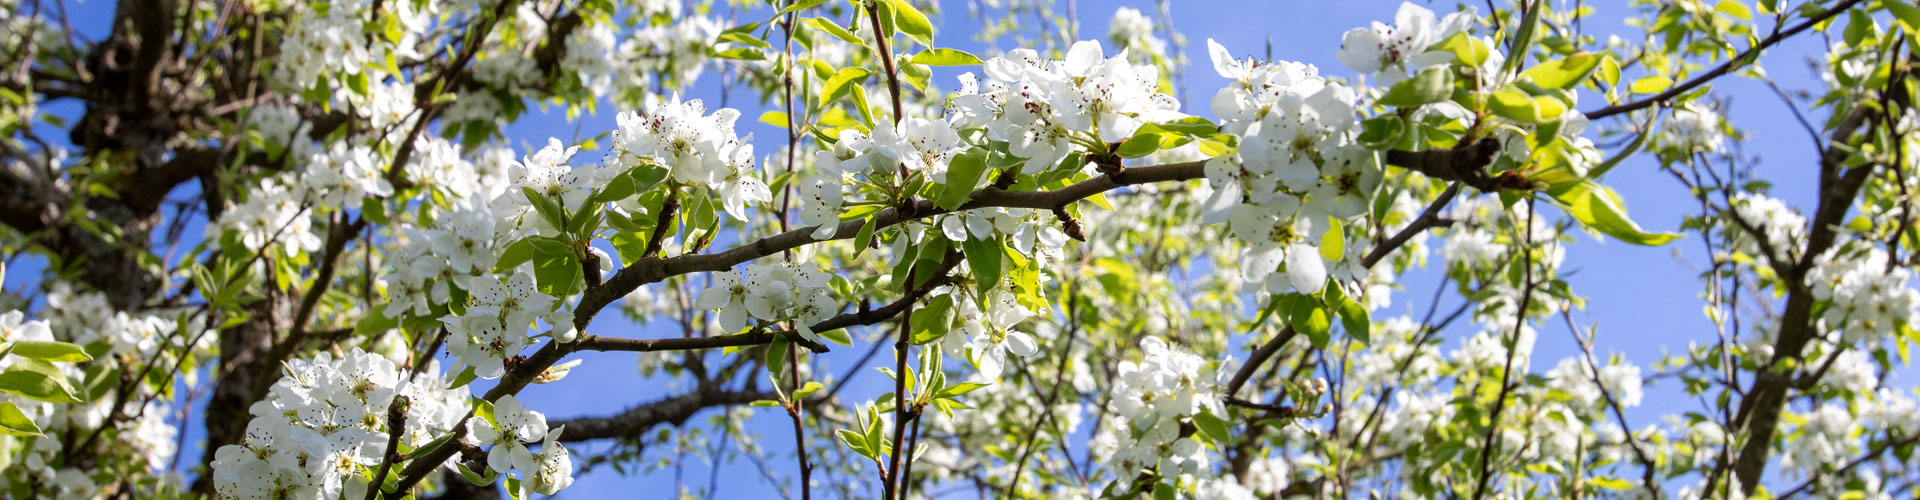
(1741, 59)
(674, 410)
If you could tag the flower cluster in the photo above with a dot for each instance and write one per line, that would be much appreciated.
(1692, 129)
(343, 174)
(1780, 228)
(509, 430)
(325, 425)
(1870, 299)
(990, 326)
(675, 46)
(1474, 239)
(1134, 32)
(697, 148)
(1398, 51)
(1621, 382)
(770, 292)
(1297, 171)
(913, 145)
(495, 325)
(1044, 108)
(1150, 401)
(1828, 436)
(322, 45)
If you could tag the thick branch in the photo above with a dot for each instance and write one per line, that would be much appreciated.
(673, 410)
(1465, 163)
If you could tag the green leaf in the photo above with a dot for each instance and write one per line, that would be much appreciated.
(836, 86)
(834, 29)
(1382, 131)
(945, 57)
(765, 403)
(742, 53)
(1192, 126)
(963, 173)
(1523, 37)
(1609, 71)
(1212, 427)
(1651, 85)
(837, 336)
(912, 23)
(984, 256)
(38, 380)
(854, 441)
(645, 177)
(1567, 72)
(1611, 483)
(860, 101)
(1355, 318)
(931, 323)
(774, 118)
(557, 273)
(15, 422)
(1599, 208)
(776, 355)
(799, 6)
(461, 380)
(1432, 85)
(1144, 142)
(1310, 317)
(547, 209)
(956, 390)
(375, 322)
(1514, 104)
(1739, 9)
(1164, 491)
(618, 188)
(743, 38)
(865, 238)
(44, 350)
(1333, 243)
(1906, 12)
(516, 253)
(1466, 49)
(809, 388)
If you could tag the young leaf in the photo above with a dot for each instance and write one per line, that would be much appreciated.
(58, 352)
(15, 422)
(912, 23)
(837, 85)
(945, 57)
(38, 380)
(1599, 208)
(1430, 86)
(963, 173)
(1567, 72)
(984, 256)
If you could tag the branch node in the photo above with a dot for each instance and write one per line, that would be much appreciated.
(1070, 225)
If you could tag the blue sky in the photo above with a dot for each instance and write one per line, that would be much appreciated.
(1645, 300)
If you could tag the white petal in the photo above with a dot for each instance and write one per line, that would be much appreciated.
(1223, 62)
(1082, 57)
(1260, 261)
(1021, 344)
(1305, 269)
(992, 360)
